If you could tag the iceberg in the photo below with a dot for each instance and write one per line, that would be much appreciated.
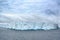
(22, 23)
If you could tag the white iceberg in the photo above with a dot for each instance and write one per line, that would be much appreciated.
(13, 21)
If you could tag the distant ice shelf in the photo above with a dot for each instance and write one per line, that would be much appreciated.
(29, 25)
(21, 22)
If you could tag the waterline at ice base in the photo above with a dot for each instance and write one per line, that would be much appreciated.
(30, 14)
(27, 22)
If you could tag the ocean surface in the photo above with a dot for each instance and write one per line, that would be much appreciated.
(7, 34)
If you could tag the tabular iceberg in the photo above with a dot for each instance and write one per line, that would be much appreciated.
(30, 14)
(13, 21)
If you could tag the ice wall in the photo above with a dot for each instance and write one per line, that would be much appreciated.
(20, 22)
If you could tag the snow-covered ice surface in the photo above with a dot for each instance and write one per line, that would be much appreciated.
(21, 22)
(30, 14)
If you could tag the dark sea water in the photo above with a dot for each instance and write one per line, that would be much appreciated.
(8, 34)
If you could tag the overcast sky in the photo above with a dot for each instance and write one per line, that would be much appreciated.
(30, 6)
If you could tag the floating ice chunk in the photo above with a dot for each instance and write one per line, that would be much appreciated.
(59, 25)
(48, 26)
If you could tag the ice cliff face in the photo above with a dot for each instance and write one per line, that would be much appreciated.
(30, 14)
(20, 22)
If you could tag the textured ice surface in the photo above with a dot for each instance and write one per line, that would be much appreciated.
(21, 23)
(30, 14)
